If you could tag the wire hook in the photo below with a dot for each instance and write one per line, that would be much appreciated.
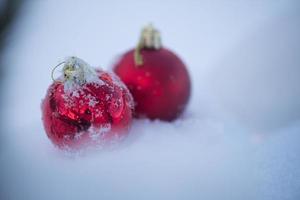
(53, 70)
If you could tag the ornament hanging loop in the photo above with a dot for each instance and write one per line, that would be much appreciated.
(53, 70)
(149, 39)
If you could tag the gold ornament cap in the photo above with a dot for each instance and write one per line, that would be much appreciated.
(149, 39)
(75, 70)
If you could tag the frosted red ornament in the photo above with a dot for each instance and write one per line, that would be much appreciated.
(157, 78)
(86, 106)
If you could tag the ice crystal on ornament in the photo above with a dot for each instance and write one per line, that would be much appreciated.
(97, 132)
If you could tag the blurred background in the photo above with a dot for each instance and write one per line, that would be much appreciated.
(238, 139)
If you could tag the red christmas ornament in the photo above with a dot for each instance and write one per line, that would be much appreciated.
(157, 79)
(86, 106)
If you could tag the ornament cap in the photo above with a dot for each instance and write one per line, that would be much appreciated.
(76, 71)
(149, 39)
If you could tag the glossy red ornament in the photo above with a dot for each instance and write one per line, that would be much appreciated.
(157, 79)
(86, 107)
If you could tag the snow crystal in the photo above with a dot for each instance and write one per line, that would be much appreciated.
(92, 100)
(75, 93)
(97, 132)
(78, 135)
(98, 113)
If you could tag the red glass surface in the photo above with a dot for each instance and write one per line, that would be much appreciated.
(93, 113)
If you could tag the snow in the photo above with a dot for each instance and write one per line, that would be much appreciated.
(238, 139)
(77, 72)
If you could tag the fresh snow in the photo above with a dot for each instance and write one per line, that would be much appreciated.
(238, 139)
